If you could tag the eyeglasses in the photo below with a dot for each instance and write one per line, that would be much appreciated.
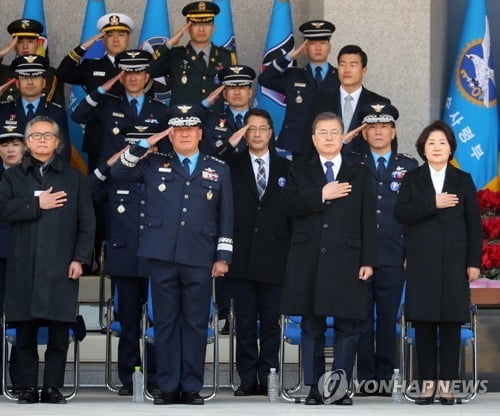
(323, 134)
(262, 129)
(48, 135)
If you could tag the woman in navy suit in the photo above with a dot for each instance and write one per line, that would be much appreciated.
(438, 204)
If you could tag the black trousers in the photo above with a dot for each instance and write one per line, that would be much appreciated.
(256, 302)
(55, 354)
(438, 350)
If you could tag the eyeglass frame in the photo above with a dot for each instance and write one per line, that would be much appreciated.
(39, 136)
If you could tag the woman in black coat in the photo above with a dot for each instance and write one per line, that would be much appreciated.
(438, 204)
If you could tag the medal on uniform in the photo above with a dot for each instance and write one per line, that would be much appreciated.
(10, 98)
(193, 57)
(298, 98)
(116, 130)
(162, 187)
(210, 195)
(184, 79)
(120, 209)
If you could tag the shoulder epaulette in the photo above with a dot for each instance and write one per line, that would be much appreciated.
(215, 159)
(406, 155)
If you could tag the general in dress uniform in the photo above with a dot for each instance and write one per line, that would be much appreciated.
(193, 68)
(187, 239)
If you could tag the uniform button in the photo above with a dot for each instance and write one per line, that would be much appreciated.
(256, 229)
(186, 196)
(141, 227)
(259, 207)
(323, 250)
(188, 183)
(184, 210)
(378, 225)
(183, 222)
(163, 178)
(203, 90)
(379, 196)
(325, 225)
(380, 183)
(121, 199)
(328, 202)
(143, 202)
(204, 77)
(141, 214)
(378, 211)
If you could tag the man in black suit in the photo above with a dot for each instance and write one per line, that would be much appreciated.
(301, 85)
(114, 30)
(350, 96)
(332, 253)
(30, 71)
(261, 238)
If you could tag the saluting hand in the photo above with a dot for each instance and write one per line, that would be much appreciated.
(5, 86)
(446, 200)
(174, 40)
(219, 268)
(7, 48)
(335, 190)
(365, 272)
(75, 270)
(89, 42)
(110, 82)
(294, 54)
(214, 95)
(238, 135)
(155, 138)
(347, 138)
(51, 200)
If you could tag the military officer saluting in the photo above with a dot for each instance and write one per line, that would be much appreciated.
(376, 360)
(237, 92)
(187, 239)
(300, 85)
(25, 41)
(193, 68)
(131, 107)
(30, 72)
(114, 30)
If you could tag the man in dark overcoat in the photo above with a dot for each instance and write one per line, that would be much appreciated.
(332, 251)
(48, 206)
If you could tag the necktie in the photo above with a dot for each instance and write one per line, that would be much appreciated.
(185, 165)
(329, 171)
(31, 113)
(381, 167)
(261, 178)
(133, 104)
(317, 76)
(201, 57)
(347, 113)
(239, 121)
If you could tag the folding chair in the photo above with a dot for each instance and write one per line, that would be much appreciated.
(113, 329)
(291, 333)
(9, 337)
(212, 338)
(468, 338)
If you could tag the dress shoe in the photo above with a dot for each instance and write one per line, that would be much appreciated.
(247, 389)
(424, 400)
(447, 401)
(344, 401)
(192, 397)
(314, 397)
(126, 390)
(52, 395)
(28, 395)
(167, 397)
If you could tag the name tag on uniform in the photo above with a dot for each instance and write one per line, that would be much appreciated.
(167, 170)
(121, 115)
(37, 193)
(299, 84)
(99, 73)
(122, 191)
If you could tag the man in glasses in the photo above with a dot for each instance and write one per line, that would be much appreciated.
(332, 254)
(30, 71)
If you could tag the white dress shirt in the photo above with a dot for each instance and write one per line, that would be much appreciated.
(437, 177)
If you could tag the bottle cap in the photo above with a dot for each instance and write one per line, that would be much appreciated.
(137, 368)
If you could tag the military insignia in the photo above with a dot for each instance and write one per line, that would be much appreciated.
(193, 57)
(133, 54)
(114, 20)
(25, 24)
(210, 174)
(216, 80)
(30, 58)
(9, 129)
(377, 107)
(399, 173)
(116, 131)
(141, 129)
(395, 186)
(202, 6)
(121, 115)
(121, 209)
(236, 69)
(184, 108)
(299, 84)
(212, 59)
(222, 123)
(219, 143)
(281, 181)
(162, 187)
(210, 195)
(184, 79)
(166, 165)
(317, 25)
(298, 98)
(10, 98)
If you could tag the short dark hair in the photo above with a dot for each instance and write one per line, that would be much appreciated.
(259, 112)
(326, 115)
(354, 50)
(437, 125)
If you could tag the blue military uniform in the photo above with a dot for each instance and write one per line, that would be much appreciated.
(188, 226)
(376, 348)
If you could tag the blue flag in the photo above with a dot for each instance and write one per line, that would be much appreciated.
(279, 43)
(95, 9)
(471, 106)
(33, 9)
(224, 32)
(154, 33)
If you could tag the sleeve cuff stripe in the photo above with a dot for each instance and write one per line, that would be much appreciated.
(99, 175)
(225, 247)
(91, 102)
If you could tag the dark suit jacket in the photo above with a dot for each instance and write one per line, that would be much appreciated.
(330, 101)
(330, 242)
(300, 91)
(13, 110)
(441, 244)
(261, 230)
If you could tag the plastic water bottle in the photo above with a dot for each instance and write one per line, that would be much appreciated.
(272, 386)
(138, 385)
(397, 386)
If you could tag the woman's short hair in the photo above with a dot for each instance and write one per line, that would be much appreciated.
(437, 125)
